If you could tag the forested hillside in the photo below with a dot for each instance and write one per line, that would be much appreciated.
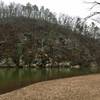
(32, 36)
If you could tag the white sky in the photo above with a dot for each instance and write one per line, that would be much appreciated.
(70, 7)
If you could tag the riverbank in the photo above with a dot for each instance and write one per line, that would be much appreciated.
(75, 88)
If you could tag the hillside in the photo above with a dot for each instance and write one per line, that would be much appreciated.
(32, 36)
(25, 37)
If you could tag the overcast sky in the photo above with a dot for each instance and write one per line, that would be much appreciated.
(70, 7)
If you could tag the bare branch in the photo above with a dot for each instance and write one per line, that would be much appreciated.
(93, 6)
(96, 21)
(95, 3)
(93, 14)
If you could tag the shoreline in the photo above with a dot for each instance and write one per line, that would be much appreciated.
(74, 88)
(10, 88)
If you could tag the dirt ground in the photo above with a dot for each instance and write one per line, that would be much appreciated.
(76, 88)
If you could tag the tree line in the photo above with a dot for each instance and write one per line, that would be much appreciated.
(28, 11)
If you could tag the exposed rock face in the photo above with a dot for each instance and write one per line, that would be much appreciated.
(76, 66)
(93, 66)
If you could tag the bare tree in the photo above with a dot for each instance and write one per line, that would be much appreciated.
(94, 4)
(28, 9)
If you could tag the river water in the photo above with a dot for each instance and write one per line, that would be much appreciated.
(12, 78)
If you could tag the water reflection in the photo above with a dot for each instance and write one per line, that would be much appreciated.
(8, 75)
(15, 78)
